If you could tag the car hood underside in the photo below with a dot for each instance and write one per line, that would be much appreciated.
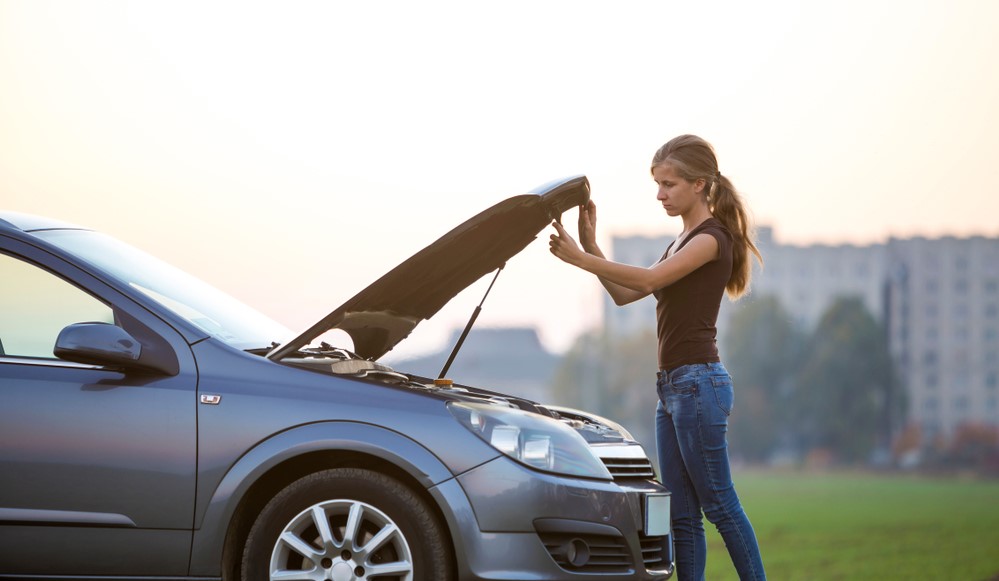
(385, 312)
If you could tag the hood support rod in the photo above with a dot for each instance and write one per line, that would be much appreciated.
(468, 325)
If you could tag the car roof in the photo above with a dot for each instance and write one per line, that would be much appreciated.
(32, 223)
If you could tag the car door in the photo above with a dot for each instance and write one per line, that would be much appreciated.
(97, 465)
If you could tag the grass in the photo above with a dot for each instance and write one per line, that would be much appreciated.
(862, 526)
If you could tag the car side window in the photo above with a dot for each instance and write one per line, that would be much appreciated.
(35, 305)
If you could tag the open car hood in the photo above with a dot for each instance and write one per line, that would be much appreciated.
(383, 314)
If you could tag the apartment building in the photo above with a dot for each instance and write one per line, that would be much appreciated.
(938, 299)
(943, 328)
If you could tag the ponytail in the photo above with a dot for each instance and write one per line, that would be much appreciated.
(726, 206)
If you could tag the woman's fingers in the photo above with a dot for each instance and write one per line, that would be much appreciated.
(562, 234)
(560, 243)
(556, 238)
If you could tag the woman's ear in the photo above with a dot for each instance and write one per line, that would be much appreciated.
(699, 185)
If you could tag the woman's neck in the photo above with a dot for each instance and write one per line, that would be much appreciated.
(695, 218)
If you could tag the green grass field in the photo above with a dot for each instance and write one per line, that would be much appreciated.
(862, 526)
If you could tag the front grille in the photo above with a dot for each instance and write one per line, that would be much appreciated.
(607, 554)
(625, 468)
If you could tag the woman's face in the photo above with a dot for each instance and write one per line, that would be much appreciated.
(677, 195)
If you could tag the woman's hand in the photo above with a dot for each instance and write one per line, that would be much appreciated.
(588, 226)
(563, 246)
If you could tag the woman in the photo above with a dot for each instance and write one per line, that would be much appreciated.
(710, 256)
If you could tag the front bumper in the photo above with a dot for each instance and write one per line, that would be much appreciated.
(511, 523)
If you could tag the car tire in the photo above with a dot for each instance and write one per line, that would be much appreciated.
(347, 523)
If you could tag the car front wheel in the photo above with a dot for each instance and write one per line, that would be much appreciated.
(346, 524)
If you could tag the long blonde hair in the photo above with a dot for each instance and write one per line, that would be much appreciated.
(693, 158)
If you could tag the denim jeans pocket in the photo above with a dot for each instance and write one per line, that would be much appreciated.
(685, 385)
(724, 394)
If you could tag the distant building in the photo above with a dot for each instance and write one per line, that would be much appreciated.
(943, 328)
(808, 279)
(939, 300)
(511, 360)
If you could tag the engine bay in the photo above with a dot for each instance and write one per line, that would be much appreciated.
(342, 362)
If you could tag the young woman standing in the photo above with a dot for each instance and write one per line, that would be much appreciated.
(710, 256)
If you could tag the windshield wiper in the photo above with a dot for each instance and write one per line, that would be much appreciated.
(324, 350)
(262, 350)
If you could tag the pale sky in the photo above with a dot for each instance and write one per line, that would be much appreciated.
(292, 152)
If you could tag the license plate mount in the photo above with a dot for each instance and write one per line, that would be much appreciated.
(657, 517)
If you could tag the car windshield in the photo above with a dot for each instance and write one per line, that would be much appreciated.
(210, 309)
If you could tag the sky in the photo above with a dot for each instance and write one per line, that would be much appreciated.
(290, 153)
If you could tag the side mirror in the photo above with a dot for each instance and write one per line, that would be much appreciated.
(97, 344)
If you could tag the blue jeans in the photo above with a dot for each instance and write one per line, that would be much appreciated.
(691, 422)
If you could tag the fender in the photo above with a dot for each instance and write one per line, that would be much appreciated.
(396, 448)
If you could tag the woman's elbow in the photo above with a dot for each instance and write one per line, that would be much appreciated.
(641, 285)
(623, 299)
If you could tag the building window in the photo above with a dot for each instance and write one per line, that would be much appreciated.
(930, 405)
(991, 311)
(930, 358)
(931, 287)
(991, 286)
(961, 404)
(961, 287)
(931, 380)
(931, 310)
(992, 380)
(960, 358)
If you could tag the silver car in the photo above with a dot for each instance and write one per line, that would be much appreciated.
(153, 427)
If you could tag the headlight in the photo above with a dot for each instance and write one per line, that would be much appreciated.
(536, 441)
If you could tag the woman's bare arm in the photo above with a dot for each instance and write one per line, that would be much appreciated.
(588, 240)
(635, 281)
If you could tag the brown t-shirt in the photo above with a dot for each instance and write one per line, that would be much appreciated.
(687, 310)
